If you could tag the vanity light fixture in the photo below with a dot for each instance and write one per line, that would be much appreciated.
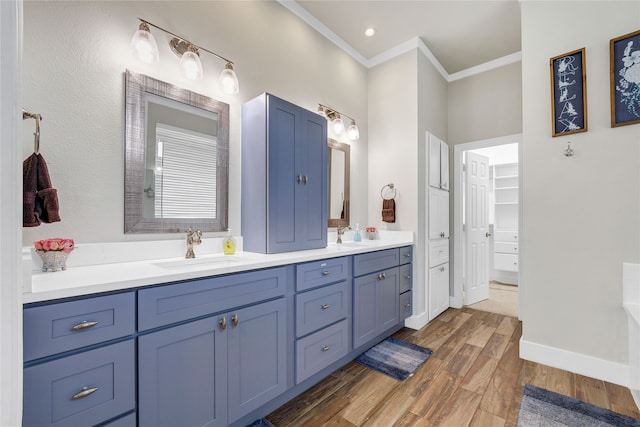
(145, 48)
(337, 125)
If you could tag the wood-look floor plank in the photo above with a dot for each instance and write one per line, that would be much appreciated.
(473, 378)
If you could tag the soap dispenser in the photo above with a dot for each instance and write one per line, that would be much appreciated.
(356, 236)
(229, 244)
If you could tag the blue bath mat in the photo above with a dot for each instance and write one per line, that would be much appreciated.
(261, 423)
(394, 357)
(540, 407)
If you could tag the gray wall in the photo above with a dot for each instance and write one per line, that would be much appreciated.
(75, 55)
(580, 214)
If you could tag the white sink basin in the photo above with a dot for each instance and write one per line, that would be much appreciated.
(199, 263)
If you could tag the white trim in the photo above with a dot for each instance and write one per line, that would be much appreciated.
(314, 23)
(414, 43)
(578, 363)
(11, 214)
(417, 321)
(457, 299)
(487, 66)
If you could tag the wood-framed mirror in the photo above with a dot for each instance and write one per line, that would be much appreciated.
(339, 164)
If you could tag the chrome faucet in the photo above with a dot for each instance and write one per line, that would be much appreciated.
(193, 238)
(341, 231)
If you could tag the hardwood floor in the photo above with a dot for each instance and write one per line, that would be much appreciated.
(473, 378)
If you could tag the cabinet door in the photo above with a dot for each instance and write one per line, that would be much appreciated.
(376, 304)
(434, 161)
(438, 290)
(182, 375)
(311, 207)
(257, 356)
(284, 190)
(444, 166)
(438, 214)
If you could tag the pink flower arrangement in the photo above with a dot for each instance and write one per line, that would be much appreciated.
(56, 244)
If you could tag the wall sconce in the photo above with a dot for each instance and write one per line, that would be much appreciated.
(145, 48)
(337, 125)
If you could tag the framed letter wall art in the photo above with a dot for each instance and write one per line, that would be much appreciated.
(624, 54)
(568, 93)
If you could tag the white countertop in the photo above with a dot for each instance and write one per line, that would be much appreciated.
(88, 279)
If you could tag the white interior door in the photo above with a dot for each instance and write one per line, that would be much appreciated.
(477, 228)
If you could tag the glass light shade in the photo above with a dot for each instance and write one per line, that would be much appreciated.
(228, 81)
(144, 46)
(353, 132)
(191, 65)
(337, 125)
(321, 111)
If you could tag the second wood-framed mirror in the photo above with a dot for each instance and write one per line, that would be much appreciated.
(339, 183)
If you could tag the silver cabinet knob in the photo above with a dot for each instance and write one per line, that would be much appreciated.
(487, 234)
(223, 323)
(234, 320)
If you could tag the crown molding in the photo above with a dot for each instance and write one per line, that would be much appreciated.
(414, 43)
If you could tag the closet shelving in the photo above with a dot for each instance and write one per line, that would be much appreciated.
(505, 256)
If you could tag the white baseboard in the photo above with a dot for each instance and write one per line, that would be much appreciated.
(589, 366)
(636, 397)
(417, 321)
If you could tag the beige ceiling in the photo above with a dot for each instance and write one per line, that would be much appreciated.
(460, 33)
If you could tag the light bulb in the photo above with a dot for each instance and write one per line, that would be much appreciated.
(337, 125)
(144, 46)
(228, 81)
(353, 132)
(190, 64)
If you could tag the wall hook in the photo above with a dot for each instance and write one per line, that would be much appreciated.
(568, 152)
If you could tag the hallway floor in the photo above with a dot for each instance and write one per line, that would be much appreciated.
(503, 299)
(473, 378)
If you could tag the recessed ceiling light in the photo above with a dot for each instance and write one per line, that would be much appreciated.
(369, 32)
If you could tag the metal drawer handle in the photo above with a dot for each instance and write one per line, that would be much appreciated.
(325, 306)
(407, 255)
(441, 268)
(84, 325)
(84, 393)
(234, 320)
(487, 234)
(223, 323)
(326, 348)
(407, 305)
(382, 276)
(326, 273)
(407, 277)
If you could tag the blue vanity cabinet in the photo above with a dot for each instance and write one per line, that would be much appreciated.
(79, 361)
(284, 177)
(406, 282)
(216, 350)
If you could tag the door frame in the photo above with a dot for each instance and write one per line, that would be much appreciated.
(457, 299)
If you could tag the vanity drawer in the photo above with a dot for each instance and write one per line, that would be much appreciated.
(505, 236)
(52, 390)
(317, 273)
(438, 252)
(375, 261)
(163, 305)
(321, 307)
(406, 255)
(506, 247)
(406, 281)
(505, 262)
(55, 328)
(406, 309)
(319, 350)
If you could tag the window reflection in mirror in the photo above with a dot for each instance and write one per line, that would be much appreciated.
(339, 183)
(176, 171)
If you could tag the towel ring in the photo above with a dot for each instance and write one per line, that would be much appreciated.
(36, 134)
(391, 186)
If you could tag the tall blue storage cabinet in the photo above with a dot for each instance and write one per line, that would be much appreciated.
(284, 177)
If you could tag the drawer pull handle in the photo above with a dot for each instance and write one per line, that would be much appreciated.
(441, 268)
(305, 179)
(382, 276)
(407, 277)
(234, 320)
(223, 323)
(325, 306)
(84, 325)
(407, 255)
(299, 178)
(84, 393)
(326, 273)
(407, 305)
(487, 234)
(326, 348)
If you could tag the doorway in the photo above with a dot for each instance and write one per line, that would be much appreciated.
(487, 218)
